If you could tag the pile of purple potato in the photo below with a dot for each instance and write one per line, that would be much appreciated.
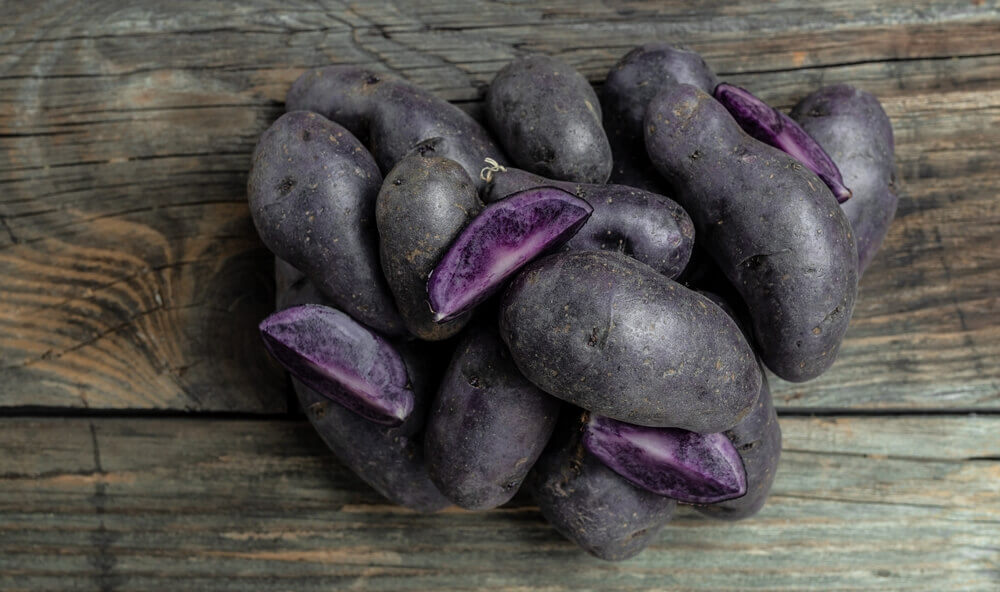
(593, 324)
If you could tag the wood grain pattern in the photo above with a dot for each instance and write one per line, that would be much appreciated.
(128, 504)
(131, 275)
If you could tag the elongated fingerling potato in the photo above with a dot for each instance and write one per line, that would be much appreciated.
(488, 424)
(772, 226)
(388, 458)
(312, 190)
(392, 116)
(630, 86)
(852, 127)
(609, 334)
(758, 442)
(425, 202)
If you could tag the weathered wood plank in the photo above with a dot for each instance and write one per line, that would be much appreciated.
(132, 277)
(454, 48)
(881, 503)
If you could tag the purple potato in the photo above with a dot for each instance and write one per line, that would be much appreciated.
(774, 230)
(345, 94)
(609, 334)
(388, 458)
(758, 441)
(424, 204)
(648, 227)
(774, 128)
(630, 86)
(487, 425)
(341, 359)
(590, 504)
(853, 128)
(757, 438)
(686, 466)
(312, 190)
(548, 118)
(504, 237)
(393, 116)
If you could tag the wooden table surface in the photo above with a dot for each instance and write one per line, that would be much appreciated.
(148, 443)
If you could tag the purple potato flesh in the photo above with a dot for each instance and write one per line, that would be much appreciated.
(503, 238)
(646, 226)
(686, 466)
(339, 358)
(774, 128)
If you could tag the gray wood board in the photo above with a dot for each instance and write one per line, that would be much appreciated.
(860, 503)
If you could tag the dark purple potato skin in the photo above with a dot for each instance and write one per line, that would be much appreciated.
(392, 116)
(646, 226)
(293, 288)
(548, 118)
(757, 438)
(590, 504)
(388, 458)
(630, 86)
(609, 334)
(345, 94)
(758, 441)
(703, 274)
(487, 425)
(288, 281)
(425, 202)
(703, 468)
(472, 269)
(852, 127)
(774, 230)
(774, 128)
(312, 190)
(316, 343)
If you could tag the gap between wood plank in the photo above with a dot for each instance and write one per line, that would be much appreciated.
(720, 74)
